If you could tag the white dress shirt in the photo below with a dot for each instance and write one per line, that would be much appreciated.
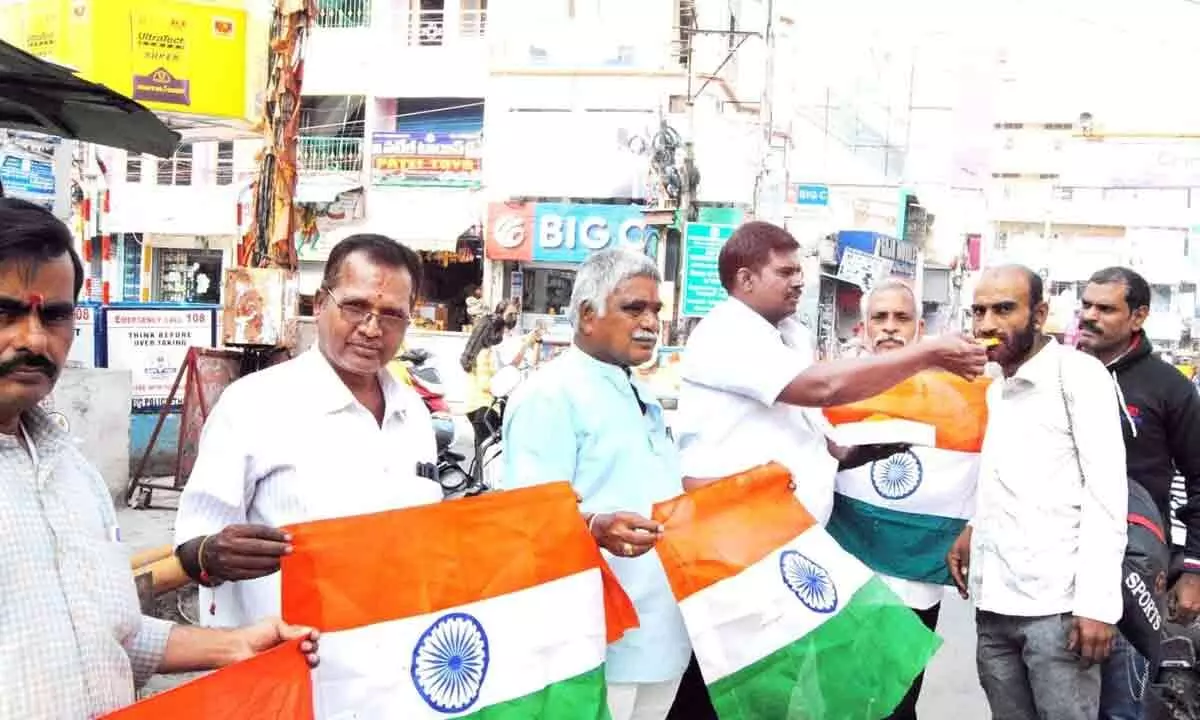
(734, 366)
(290, 444)
(1046, 541)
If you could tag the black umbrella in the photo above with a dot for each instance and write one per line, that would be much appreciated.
(39, 96)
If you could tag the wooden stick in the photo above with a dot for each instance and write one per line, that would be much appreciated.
(166, 575)
(145, 557)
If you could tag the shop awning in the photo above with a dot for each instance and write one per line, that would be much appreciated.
(323, 189)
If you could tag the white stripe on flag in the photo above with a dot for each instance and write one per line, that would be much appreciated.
(873, 432)
(944, 480)
(742, 619)
(535, 637)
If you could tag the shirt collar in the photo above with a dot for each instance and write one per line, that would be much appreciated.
(619, 376)
(329, 394)
(1042, 368)
(46, 435)
(745, 313)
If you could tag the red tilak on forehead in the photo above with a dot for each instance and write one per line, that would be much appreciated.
(36, 300)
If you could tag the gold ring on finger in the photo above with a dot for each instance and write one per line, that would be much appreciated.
(627, 549)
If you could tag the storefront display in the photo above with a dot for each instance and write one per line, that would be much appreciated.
(449, 277)
(186, 276)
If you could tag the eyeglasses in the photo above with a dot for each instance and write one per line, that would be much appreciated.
(356, 313)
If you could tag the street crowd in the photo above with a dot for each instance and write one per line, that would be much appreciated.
(1040, 555)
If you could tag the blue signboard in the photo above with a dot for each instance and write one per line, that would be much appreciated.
(27, 177)
(569, 232)
(702, 287)
(902, 254)
(812, 195)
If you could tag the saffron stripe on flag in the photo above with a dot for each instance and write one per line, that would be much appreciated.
(956, 407)
(524, 537)
(271, 685)
(719, 510)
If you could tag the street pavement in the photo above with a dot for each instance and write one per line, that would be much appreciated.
(952, 690)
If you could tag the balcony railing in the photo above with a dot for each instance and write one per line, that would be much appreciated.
(343, 13)
(429, 27)
(330, 155)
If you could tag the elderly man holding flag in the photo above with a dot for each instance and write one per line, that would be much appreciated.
(900, 513)
(585, 419)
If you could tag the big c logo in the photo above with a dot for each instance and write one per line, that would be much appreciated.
(562, 232)
(509, 232)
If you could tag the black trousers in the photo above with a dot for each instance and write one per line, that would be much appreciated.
(907, 709)
(692, 702)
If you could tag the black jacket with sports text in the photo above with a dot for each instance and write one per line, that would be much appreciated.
(1161, 421)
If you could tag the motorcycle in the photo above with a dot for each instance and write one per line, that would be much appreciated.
(413, 367)
(485, 469)
(1176, 689)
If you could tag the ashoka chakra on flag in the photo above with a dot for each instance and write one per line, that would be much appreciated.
(784, 622)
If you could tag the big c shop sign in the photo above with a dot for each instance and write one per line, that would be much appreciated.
(563, 232)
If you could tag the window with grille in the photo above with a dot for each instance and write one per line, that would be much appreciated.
(133, 168)
(177, 169)
(225, 163)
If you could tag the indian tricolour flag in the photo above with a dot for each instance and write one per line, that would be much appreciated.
(901, 514)
(784, 622)
(495, 607)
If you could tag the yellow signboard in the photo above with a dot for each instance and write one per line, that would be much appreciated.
(178, 56)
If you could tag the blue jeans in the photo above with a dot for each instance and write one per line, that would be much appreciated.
(1123, 683)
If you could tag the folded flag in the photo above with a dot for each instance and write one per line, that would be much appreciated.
(494, 607)
(785, 624)
(901, 514)
(272, 685)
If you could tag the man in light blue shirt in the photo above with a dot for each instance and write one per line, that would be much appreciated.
(583, 418)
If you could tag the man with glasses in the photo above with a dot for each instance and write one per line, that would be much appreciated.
(328, 434)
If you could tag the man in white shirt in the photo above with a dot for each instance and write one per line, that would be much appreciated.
(745, 381)
(328, 434)
(1043, 553)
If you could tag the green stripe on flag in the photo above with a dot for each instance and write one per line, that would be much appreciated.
(583, 697)
(900, 544)
(858, 664)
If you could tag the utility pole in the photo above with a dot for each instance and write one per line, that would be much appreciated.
(269, 241)
(689, 31)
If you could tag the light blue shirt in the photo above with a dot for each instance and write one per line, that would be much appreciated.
(577, 419)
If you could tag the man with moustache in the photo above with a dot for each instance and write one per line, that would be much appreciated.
(748, 373)
(749, 382)
(76, 644)
(900, 535)
(1160, 418)
(1042, 556)
(330, 433)
(584, 418)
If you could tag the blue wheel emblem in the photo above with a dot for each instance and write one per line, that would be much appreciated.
(809, 582)
(450, 662)
(898, 476)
